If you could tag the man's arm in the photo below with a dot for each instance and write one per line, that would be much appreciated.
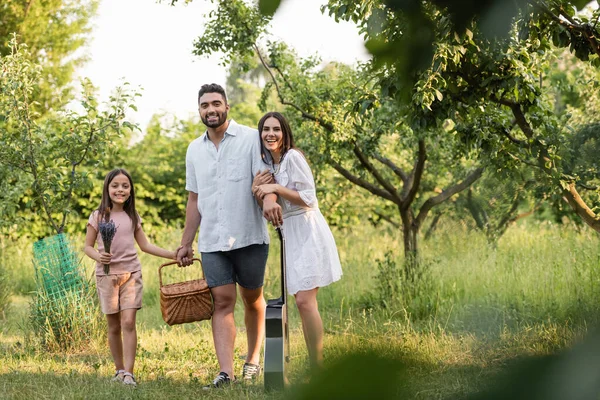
(192, 223)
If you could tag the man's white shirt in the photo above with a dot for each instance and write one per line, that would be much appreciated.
(231, 218)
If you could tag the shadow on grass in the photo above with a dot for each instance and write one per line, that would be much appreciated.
(572, 374)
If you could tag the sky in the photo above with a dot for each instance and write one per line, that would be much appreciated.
(149, 45)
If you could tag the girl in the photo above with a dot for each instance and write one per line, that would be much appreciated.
(311, 255)
(120, 291)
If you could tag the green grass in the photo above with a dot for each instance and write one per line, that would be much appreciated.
(533, 294)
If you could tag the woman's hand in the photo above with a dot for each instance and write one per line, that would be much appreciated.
(262, 178)
(263, 190)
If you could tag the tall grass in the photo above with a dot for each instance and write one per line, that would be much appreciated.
(535, 292)
(16, 262)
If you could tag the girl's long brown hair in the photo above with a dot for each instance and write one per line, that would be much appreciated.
(288, 138)
(128, 207)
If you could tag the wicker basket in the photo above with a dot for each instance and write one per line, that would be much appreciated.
(184, 302)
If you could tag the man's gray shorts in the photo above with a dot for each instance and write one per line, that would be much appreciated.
(244, 266)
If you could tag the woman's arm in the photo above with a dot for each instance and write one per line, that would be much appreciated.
(90, 250)
(261, 178)
(288, 194)
(147, 247)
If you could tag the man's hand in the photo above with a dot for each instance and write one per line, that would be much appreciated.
(262, 178)
(184, 256)
(272, 210)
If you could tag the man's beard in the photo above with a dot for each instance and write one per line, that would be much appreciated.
(221, 118)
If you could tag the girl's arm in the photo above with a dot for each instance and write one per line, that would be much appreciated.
(89, 249)
(288, 194)
(147, 247)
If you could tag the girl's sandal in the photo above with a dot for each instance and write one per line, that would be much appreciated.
(119, 375)
(129, 379)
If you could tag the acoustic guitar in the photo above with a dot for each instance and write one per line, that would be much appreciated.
(277, 345)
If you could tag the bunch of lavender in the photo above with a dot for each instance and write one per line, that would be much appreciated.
(107, 230)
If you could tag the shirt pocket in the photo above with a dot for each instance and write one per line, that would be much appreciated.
(236, 170)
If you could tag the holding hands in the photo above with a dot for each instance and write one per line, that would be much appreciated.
(184, 255)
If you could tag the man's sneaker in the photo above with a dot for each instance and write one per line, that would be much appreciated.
(250, 371)
(222, 380)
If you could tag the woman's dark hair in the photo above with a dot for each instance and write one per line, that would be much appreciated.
(128, 207)
(288, 138)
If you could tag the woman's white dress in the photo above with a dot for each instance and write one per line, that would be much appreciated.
(312, 259)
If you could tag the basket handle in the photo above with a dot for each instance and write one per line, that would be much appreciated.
(175, 262)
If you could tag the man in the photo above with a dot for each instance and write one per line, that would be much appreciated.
(220, 167)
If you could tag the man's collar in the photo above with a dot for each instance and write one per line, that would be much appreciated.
(231, 130)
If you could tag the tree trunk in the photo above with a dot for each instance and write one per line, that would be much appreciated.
(410, 231)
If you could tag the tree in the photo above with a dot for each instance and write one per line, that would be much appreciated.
(54, 32)
(491, 86)
(50, 150)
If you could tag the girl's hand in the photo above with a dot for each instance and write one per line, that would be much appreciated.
(105, 258)
(174, 257)
(263, 190)
(262, 178)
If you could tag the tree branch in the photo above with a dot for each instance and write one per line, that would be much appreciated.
(306, 115)
(373, 171)
(362, 183)
(513, 139)
(519, 116)
(572, 197)
(446, 194)
(587, 187)
(387, 162)
(416, 176)
(587, 30)
(388, 219)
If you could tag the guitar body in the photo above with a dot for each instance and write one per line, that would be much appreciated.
(276, 345)
(277, 334)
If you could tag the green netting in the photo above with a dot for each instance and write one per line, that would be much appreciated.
(56, 267)
(63, 310)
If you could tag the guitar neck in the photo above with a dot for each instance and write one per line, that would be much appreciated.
(283, 269)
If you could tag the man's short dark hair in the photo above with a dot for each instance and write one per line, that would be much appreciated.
(212, 88)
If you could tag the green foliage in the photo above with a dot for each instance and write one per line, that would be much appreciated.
(157, 165)
(498, 200)
(54, 31)
(397, 289)
(49, 150)
(268, 7)
(238, 25)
